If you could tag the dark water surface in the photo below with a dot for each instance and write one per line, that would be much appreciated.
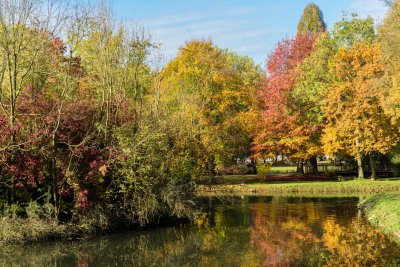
(250, 231)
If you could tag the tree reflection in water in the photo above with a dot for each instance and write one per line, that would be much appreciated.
(316, 233)
(254, 231)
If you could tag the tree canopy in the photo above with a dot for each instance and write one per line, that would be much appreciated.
(312, 21)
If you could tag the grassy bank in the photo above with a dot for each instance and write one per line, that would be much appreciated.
(352, 187)
(383, 211)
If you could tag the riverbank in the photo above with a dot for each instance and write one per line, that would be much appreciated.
(38, 224)
(18, 231)
(383, 211)
(318, 188)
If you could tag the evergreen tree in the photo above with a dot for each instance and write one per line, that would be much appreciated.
(312, 21)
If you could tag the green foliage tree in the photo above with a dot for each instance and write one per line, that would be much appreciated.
(312, 21)
(114, 58)
(388, 37)
(314, 77)
(353, 29)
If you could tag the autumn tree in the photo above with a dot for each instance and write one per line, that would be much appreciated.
(311, 82)
(207, 90)
(26, 30)
(388, 37)
(356, 123)
(352, 29)
(282, 131)
(312, 21)
(285, 129)
(315, 75)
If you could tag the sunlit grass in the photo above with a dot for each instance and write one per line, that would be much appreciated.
(384, 212)
(352, 187)
(282, 169)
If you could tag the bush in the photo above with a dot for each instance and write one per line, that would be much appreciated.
(235, 170)
(395, 162)
(95, 221)
(32, 223)
(263, 169)
(148, 182)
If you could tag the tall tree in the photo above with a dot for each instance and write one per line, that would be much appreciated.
(26, 29)
(312, 21)
(208, 90)
(313, 79)
(356, 123)
(388, 37)
(281, 131)
(285, 129)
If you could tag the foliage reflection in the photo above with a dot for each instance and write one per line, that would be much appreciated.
(253, 231)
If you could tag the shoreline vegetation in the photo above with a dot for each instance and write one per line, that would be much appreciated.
(39, 225)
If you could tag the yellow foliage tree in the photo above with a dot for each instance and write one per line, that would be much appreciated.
(356, 123)
(206, 92)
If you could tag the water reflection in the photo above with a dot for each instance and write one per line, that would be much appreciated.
(254, 231)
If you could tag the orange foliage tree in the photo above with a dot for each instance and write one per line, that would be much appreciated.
(356, 123)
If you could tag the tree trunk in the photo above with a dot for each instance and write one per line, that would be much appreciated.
(373, 166)
(54, 177)
(314, 165)
(300, 166)
(211, 166)
(360, 167)
(386, 163)
(12, 178)
(13, 97)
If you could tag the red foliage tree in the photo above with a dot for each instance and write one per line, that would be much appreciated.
(279, 132)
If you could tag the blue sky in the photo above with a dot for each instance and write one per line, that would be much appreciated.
(250, 28)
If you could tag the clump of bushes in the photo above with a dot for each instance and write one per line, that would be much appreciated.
(147, 177)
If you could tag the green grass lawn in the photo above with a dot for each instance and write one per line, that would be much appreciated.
(352, 187)
(282, 169)
(383, 211)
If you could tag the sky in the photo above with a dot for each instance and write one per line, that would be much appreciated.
(248, 27)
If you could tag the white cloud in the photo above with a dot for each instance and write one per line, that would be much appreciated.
(235, 29)
(373, 8)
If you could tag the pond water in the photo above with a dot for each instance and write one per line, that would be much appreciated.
(249, 231)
